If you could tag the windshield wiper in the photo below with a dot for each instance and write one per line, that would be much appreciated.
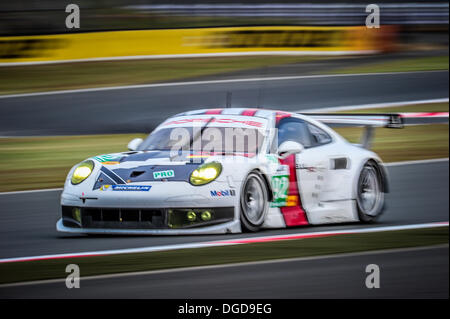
(193, 138)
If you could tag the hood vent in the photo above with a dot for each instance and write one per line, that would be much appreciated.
(136, 173)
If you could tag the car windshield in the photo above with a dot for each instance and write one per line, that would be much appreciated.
(212, 139)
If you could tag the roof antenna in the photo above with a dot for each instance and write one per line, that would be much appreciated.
(228, 100)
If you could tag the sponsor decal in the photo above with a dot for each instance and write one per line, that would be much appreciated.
(272, 159)
(198, 156)
(164, 174)
(279, 181)
(292, 200)
(303, 166)
(103, 188)
(280, 186)
(223, 193)
(276, 38)
(28, 48)
(131, 188)
(107, 159)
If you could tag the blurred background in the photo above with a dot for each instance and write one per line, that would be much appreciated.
(420, 24)
(136, 42)
(45, 17)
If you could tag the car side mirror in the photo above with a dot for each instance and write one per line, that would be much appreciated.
(289, 147)
(134, 144)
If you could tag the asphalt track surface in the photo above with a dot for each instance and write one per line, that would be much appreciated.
(141, 109)
(409, 273)
(419, 194)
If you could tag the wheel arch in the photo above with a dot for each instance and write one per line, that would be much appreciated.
(383, 174)
(381, 169)
(266, 181)
(245, 224)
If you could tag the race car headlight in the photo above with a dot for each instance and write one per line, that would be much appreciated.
(206, 173)
(82, 172)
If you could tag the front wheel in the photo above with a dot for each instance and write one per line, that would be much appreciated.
(254, 202)
(370, 195)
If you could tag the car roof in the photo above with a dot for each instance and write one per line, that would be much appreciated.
(264, 113)
(273, 116)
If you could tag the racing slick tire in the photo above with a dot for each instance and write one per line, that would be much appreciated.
(370, 194)
(254, 202)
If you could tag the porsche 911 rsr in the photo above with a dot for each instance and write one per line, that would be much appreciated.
(229, 170)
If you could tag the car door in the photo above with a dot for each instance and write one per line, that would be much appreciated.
(308, 166)
(323, 177)
(312, 167)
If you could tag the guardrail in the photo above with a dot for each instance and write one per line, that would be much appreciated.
(311, 14)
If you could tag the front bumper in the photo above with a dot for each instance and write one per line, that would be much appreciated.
(161, 209)
(145, 218)
(229, 227)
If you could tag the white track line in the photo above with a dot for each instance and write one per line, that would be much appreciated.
(374, 106)
(430, 161)
(221, 266)
(170, 84)
(235, 241)
(31, 191)
(193, 55)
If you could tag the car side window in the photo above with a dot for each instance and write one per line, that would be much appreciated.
(318, 136)
(293, 129)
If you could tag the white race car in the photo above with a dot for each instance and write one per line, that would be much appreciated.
(228, 170)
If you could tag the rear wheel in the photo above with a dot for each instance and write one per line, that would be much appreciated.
(254, 202)
(370, 195)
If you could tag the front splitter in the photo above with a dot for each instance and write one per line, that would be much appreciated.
(229, 227)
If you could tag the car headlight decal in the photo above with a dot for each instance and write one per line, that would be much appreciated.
(205, 173)
(82, 172)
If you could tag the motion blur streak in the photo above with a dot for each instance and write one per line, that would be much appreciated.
(71, 93)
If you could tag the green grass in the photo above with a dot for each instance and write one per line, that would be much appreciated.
(43, 162)
(66, 76)
(20, 79)
(49, 269)
(403, 65)
(410, 143)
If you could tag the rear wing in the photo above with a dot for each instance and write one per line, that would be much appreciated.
(351, 119)
(368, 120)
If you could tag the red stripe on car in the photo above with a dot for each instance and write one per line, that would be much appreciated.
(281, 115)
(249, 112)
(214, 111)
(293, 215)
